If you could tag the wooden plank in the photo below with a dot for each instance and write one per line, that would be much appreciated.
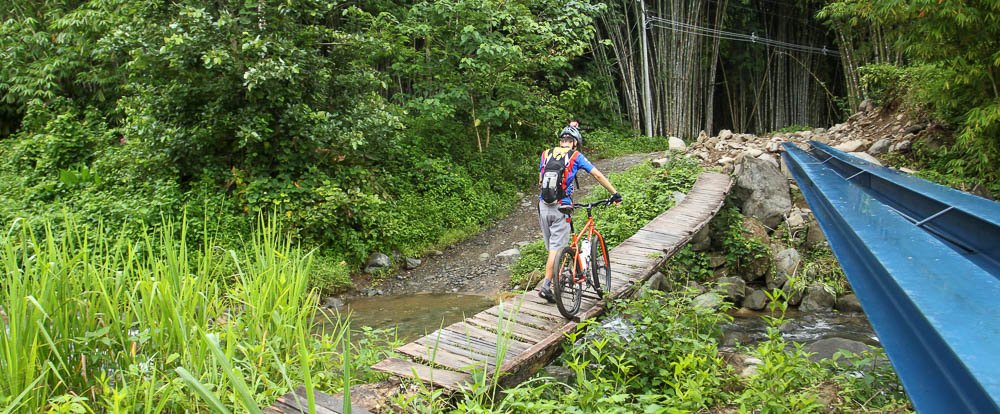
(297, 402)
(443, 356)
(523, 318)
(527, 333)
(476, 345)
(459, 345)
(546, 311)
(446, 379)
(456, 350)
(485, 335)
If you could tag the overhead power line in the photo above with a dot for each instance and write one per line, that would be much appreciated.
(740, 37)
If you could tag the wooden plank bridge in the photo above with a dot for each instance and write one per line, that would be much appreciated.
(520, 335)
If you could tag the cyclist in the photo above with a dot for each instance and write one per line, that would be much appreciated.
(554, 212)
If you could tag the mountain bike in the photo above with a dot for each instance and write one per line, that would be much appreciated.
(584, 262)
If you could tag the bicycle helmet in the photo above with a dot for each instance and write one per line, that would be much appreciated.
(572, 132)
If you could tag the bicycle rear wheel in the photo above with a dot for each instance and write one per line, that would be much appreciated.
(600, 266)
(566, 288)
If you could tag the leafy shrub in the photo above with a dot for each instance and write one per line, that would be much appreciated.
(606, 142)
(688, 265)
(647, 193)
(867, 380)
(883, 83)
(741, 249)
(533, 257)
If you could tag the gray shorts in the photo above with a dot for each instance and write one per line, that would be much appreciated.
(555, 228)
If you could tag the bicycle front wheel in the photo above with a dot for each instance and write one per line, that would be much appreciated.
(600, 266)
(567, 286)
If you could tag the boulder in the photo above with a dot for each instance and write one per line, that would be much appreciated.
(901, 146)
(559, 373)
(817, 299)
(880, 147)
(866, 106)
(851, 146)
(677, 144)
(849, 303)
(769, 158)
(756, 300)
(376, 262)
(761, 191)
(867, 157)
(752, 153)
(795, 220)
(716, 261)
(733, 287)
(793, 293)
(659, 162)
(332, 302)
(702, 137)
(784, 168)
(786, 264)
(656, 282)
(694, 286)
(825, 348)
(509, 254)
(710, 300)
(701, 240)
(775, 280)
(758, 267)
(411, 263)
(484, 257)
(915, 128)
(725, 134)
(814, 234)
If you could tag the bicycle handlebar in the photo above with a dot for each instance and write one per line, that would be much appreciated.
(604, 202)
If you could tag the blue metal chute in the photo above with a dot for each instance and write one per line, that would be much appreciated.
(922, 258)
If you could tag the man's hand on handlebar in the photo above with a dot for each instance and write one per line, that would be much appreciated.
(616, 198)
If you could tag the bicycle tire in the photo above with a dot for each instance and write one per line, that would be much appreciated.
(567, 291)
(600, 266)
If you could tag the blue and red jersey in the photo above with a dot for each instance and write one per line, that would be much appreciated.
(575, 163)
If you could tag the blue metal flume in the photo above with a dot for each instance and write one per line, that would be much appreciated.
(924, 260)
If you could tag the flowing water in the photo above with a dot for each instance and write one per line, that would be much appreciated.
(749, 327)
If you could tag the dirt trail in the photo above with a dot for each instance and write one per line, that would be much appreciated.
(472, 266)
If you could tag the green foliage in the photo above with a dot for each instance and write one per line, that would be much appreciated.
(882, 83)
(795, 128)
(122, 112)
(820, 266)
(145, 324)
(952, 70)
(647, 193)
(867, 380)
(786, 380)
(609, 143)
(740, 247)
(688, 265)
(533, 257)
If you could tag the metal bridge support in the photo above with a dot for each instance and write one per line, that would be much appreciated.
(923, 260)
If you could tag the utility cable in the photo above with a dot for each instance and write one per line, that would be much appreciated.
(686, 28)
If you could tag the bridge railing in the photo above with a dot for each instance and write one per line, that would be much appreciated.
(922, 258)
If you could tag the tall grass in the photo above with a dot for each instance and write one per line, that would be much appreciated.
(117, 325)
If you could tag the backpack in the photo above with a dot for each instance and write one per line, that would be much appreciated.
(554, 173)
